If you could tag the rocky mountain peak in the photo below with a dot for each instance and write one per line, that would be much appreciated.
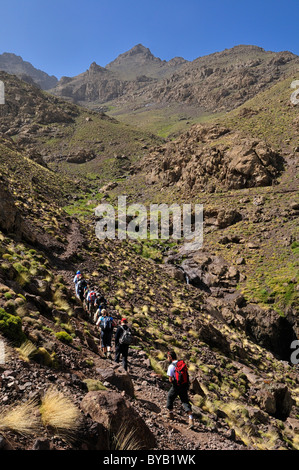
(95, 68)
(137, 56)
(14, 64)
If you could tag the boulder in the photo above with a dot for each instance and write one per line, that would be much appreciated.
(227, 217)
(118, 417)
(119, 378)
(276, 400)
(213, 337)
(269, 330)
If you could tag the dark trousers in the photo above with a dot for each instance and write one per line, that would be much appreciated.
(106, 337)
(178, 391)
(122, 350)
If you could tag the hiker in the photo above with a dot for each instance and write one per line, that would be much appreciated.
(76, 279)
(100, 304)
(106, 324)
(123, 338)
(90, 300)
(80, 288)
(85, 295)
(179, 380)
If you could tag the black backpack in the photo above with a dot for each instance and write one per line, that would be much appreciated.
(126, 337)
(81, 286)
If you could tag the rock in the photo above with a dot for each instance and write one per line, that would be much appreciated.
(253, 246)
(293, 423)
(195, 387)
(191, 165)
(41, 444)
(4, 444)
(259, 200)
(269, 330)
(119, 378)
(82, 156)
(276, 400)
(92, 344)
(227, 217)
(108, 187)
(116, 415)
(174, 272)
(211, 336)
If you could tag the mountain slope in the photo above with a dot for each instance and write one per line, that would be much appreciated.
(15, 65)
(65, 136)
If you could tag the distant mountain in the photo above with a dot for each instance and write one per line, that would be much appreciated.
(139, 61)
(139, 84)
(130, 72)
(15, 65)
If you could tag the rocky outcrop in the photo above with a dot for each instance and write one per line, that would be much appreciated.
(117, 417)
(276, 400)
(198, 162)
(270, 330)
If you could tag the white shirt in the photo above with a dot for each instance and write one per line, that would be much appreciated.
(171, 369)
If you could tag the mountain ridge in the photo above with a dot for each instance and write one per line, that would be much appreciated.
(14, 64)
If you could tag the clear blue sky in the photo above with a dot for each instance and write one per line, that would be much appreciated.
(63, 37)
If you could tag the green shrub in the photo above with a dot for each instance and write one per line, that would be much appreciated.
(64, 337)
(11, 327)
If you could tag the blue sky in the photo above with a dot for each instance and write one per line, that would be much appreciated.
(63, 37)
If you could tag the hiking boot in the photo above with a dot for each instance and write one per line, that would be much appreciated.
(191, 423)
(170, 415)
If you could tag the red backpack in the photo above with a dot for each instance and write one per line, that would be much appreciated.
(181, 373)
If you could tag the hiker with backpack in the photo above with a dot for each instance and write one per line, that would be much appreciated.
(76, 279)
(90, 302)
(80, 288)
(123, 339)
(100, 304)
(179, 379)
(106, 324)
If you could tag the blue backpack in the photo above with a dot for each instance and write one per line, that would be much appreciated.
(106, 324)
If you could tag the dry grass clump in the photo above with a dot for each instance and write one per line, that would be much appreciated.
(125, 439)
(22, 419)
(59, 414)
(26, 350)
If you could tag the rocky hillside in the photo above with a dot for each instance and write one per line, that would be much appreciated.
(230, 310)
(66, 137)
(15, 65)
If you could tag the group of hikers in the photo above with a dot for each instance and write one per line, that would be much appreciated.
(96, 307)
